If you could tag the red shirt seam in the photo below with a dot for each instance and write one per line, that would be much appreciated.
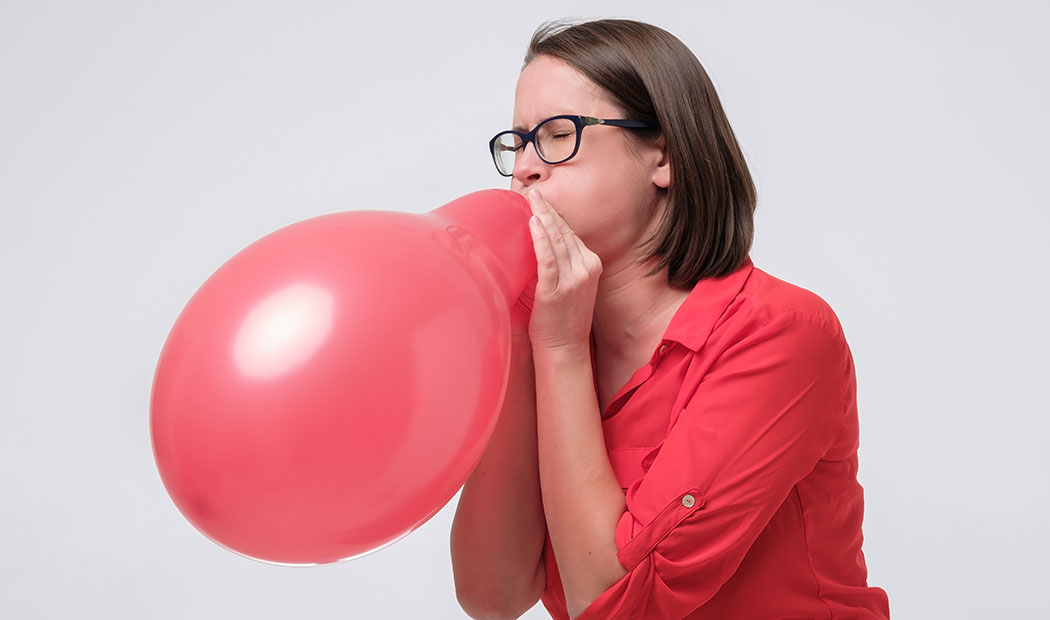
(809, 556)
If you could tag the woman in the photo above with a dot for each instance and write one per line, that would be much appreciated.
(679, 438)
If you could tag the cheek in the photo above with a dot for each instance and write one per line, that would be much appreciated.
(598, 215)
(577, 201)
(604, 202)
(615, 216)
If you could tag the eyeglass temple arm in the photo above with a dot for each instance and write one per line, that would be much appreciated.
(590, 120)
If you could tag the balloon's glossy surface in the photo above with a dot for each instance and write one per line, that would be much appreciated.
(330, 387)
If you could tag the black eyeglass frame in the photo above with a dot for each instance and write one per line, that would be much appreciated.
(579, 121)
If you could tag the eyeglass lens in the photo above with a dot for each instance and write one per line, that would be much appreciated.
(555, 142)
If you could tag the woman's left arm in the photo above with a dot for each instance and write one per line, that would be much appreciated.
(582, 499)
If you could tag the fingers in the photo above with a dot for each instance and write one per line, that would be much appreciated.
(567, 247)
(557, 240)
(546, 262)
(551, 254)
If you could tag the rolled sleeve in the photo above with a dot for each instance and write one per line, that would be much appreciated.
(768, 409)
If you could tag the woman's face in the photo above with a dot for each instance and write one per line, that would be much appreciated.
(608, 193)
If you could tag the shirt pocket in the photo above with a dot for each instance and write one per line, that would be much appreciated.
(629, 464)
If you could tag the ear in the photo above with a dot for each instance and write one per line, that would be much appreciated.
(662, 172)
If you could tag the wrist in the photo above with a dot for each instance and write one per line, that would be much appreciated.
(567, 353)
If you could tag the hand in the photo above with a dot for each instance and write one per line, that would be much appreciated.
(568, 274)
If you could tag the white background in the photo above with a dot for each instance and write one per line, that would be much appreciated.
(899, 148)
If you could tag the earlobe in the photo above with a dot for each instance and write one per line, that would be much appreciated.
(662, 173)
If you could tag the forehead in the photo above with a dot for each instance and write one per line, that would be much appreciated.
(548, 86)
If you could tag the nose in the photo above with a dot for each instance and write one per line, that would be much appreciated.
(529, 168)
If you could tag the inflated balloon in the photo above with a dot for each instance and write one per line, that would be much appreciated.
(330, 387)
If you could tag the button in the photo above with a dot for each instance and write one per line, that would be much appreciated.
(688, 501)
(663, 348)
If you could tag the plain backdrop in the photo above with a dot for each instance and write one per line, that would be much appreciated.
(900, 153)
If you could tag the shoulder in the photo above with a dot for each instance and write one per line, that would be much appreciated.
(766, 301)
(767, 298)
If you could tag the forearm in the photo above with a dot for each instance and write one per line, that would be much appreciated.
(498, 530)
(582, 499)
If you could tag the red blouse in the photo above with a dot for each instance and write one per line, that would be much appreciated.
(736, 446)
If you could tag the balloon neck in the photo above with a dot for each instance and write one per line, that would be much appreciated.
(493, 226)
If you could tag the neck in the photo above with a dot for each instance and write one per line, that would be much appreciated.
(632, 311)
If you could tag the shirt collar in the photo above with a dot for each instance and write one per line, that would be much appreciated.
(695, 318)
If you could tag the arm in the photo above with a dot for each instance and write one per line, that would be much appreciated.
(498, 530)
(581, 496)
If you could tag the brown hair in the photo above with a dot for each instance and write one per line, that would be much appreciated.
(708, 227)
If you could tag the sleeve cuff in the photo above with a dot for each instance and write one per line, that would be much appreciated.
(635, 540)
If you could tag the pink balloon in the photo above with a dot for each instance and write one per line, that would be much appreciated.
(330, 387)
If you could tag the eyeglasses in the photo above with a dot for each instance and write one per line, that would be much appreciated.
(556, 139)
